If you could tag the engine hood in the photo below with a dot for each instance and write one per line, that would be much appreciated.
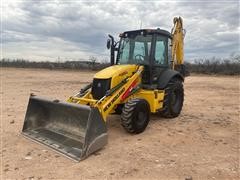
(117, 73)
(116, 70)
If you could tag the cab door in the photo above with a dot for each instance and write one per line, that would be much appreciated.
(161, 56)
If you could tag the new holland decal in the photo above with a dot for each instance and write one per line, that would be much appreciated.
(113, 100)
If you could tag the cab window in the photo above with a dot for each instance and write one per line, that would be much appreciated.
(161, 53)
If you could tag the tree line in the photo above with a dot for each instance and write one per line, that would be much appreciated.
(225, 66)
(91, 64)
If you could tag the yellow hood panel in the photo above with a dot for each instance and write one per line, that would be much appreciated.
(116, 70)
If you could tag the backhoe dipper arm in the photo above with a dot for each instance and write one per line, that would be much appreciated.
(178, 34)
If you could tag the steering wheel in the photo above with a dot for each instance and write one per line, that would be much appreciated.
(141, 57)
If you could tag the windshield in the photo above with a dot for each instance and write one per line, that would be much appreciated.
(135, 50)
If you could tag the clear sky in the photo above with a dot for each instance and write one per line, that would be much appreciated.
(73, 29)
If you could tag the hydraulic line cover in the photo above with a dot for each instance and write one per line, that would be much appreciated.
(71, 129)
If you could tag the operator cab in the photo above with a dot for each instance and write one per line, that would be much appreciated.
(148, 47)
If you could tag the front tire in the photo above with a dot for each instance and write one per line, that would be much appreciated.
(135, 115)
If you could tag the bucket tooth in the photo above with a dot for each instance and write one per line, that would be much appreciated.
(71, 129)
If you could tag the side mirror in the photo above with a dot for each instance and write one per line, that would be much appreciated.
(109, 43)
(111, 46)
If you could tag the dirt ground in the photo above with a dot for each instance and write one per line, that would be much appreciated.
(202, 143)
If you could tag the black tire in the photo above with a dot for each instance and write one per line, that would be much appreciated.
(135, 115)
(118, 109)
(173, 99)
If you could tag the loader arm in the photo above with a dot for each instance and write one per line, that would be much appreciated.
(114, 96)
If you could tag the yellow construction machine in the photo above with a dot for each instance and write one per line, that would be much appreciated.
(145, 77)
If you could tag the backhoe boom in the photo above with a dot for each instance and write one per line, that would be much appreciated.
(178, 34)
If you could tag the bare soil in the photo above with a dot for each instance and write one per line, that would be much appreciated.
(202, 143)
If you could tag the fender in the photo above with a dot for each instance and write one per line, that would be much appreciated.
(166, 76)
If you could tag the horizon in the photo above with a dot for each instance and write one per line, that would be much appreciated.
(232, 58)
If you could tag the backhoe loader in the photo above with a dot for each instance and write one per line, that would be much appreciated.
(146, 76)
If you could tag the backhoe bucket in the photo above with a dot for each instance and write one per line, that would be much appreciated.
(71, 129)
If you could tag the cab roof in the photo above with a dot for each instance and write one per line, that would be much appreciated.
(146, 32)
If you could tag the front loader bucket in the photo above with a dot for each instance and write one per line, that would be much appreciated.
(71, 129)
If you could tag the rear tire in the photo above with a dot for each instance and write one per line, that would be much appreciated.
(173, 99)
(135, 115)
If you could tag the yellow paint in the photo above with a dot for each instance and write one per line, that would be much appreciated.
(117, 73)
(177, 41)
(106, 105)
(153, 97)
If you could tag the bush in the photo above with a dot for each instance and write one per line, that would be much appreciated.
(229, 66)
